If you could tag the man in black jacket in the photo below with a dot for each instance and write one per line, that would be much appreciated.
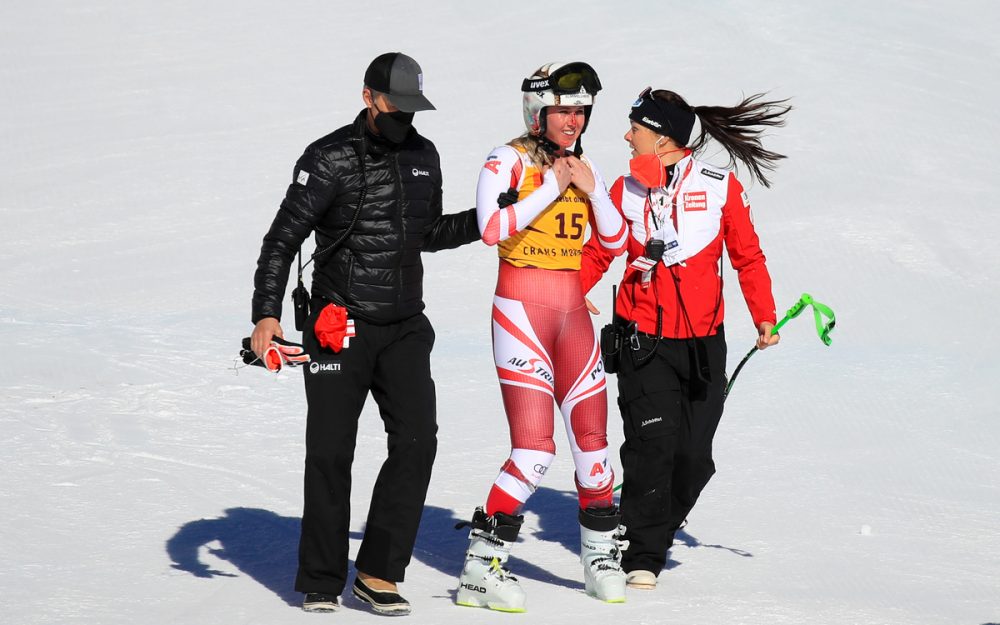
(371, 192)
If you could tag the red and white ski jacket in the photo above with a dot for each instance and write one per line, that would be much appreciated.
(706, 207)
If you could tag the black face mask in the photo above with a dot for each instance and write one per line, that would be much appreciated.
(394, 126)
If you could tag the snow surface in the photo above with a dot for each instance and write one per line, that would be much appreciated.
(144, 148)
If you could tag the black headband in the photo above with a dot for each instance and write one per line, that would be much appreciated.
(663, 118)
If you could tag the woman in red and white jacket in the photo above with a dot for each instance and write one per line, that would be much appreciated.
(669, 310)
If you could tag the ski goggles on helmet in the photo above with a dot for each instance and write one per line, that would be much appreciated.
(566, 79)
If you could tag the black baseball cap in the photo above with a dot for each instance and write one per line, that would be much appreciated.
(399, 77)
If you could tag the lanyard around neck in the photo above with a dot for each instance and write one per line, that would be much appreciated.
(648, 207)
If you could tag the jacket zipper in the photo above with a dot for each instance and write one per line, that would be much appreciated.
(398, 182)
(679, 225)
(350, 271)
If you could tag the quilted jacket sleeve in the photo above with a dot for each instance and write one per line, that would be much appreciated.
(314, 184)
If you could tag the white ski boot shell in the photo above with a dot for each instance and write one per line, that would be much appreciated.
(600, 553)
(484, 582)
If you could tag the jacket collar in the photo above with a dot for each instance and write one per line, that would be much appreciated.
(374, 144)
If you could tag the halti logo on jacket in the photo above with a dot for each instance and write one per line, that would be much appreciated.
(324, 367)
(420, 172)
(695, 201)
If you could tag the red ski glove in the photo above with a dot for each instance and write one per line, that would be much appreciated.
(279, 353)
(331, 327)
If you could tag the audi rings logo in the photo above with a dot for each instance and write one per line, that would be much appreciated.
(540, 469)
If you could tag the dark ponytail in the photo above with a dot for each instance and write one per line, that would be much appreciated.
(737, 128)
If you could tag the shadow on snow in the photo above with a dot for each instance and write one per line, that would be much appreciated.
(264, 545)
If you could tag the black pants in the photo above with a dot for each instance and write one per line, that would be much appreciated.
(393, 362)
(671, 406)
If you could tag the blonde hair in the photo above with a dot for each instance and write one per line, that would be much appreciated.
(532, 146)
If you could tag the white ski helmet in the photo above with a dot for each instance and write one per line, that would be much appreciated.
(558, 84)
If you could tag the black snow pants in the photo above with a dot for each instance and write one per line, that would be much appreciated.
(671, 405)
(393, 362)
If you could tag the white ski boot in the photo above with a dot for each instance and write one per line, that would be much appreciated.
(600, 552)
(484, 582)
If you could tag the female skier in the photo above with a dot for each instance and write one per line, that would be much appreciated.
(534, 201)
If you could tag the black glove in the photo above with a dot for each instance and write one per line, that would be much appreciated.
(507, 198)
(279, 353)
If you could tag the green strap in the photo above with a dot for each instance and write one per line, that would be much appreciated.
(821, 312)
(823, 328)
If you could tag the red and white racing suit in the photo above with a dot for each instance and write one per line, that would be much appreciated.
(544, 343)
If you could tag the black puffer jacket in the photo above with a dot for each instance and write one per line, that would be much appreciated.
(376, 272)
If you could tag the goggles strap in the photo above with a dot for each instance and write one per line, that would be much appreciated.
(583, 75)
